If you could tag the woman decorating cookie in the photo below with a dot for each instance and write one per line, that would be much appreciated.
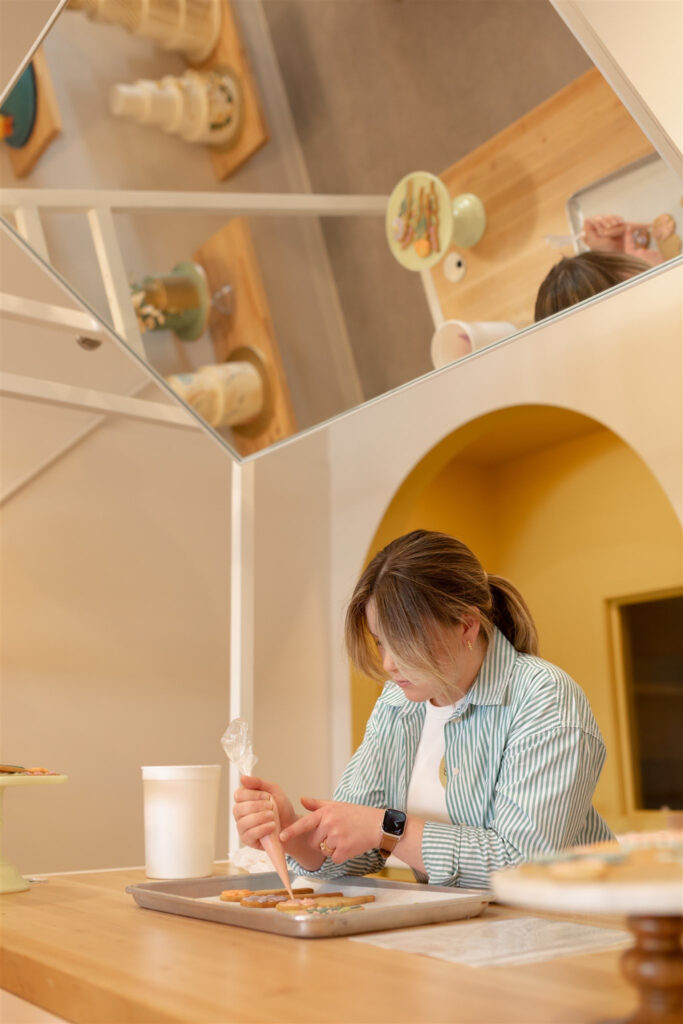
(478, 753)
(611, 233)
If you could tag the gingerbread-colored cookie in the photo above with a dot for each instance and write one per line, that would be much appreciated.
(237, 895)
(328, 900)
(262, 901)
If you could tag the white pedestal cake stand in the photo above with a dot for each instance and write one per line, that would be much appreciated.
(10, 879)
(652, 901)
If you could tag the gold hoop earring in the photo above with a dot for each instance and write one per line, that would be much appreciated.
(469, 645)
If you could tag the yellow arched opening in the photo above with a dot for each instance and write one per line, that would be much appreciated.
(565, 509)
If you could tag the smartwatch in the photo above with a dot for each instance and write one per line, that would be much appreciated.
(393, 827)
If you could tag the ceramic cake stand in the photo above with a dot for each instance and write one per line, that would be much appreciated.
(645, 885)
(10, 879)
(423, 221)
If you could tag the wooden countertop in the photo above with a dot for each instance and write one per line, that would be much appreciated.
(524, 175)
(79, 946)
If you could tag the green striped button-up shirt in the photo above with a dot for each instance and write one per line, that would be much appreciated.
(523, 757)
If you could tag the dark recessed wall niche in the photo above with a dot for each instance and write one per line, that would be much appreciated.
(652, 633)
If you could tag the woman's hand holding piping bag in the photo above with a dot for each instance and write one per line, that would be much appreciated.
(261, 810)
(237, 745)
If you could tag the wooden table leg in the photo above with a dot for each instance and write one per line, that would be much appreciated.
(655, 966)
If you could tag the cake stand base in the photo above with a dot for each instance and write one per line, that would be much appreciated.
(11, 880)
(655, 966)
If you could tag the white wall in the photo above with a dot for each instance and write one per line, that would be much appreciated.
(114, 636)
(638, 47)
(293, 727)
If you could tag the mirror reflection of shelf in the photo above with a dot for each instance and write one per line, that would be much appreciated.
(177, 302)
(247, 335)
(34, 116)
(245, 389)
(205, 31)
(191, 26)
(199, 106)
(229, 53)
(224, 394)
(239, 316)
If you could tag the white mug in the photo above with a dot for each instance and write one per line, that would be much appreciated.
(180, 812)
(455, 338)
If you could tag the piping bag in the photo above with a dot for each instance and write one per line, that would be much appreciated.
(237, 746)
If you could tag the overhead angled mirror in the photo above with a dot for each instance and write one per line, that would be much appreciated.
(63, 373)
(288, 209)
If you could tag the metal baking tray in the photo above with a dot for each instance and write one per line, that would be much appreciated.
(638, 192)
(397, 904)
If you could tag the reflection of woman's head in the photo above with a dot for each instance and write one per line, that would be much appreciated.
(576, 278)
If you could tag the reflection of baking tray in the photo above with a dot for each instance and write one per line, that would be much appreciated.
(397, 904)
(638, 192)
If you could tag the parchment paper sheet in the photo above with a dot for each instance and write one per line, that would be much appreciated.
(522, 940)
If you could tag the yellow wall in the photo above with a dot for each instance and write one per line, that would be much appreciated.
(573, 525)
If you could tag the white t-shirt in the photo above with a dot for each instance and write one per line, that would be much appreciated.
(427, 789)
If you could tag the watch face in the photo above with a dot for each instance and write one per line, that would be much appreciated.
(394, 822)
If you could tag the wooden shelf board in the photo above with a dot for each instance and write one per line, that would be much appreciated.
(524, 176)
(228, 257)
(230, 52)
(48, 122)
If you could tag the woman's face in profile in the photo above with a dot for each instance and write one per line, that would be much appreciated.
(418, 683)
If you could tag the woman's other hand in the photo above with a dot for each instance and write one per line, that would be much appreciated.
(636, 241)
(339, 830)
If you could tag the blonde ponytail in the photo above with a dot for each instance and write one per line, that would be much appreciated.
(510, 613)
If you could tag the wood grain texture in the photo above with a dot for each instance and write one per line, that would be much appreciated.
(228, 257)
(230, 53)
(524, 175)
(48, 123)
(80, 947)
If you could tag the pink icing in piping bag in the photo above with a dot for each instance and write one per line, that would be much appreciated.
(237, 745)
(275, 850)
